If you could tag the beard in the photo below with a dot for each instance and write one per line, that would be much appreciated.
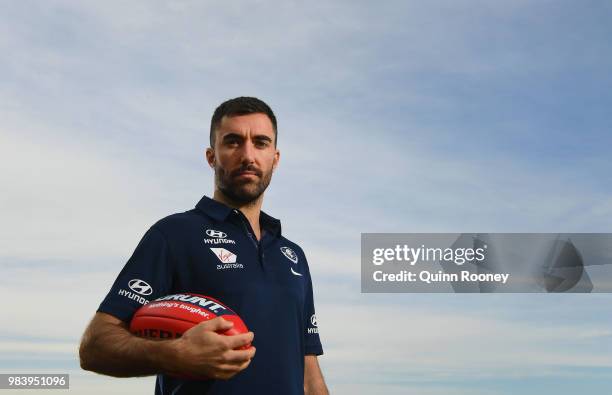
(242, 191)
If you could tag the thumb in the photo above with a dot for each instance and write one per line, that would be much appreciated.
(217, 324)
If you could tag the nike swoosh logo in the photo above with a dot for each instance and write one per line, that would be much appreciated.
(294, 272)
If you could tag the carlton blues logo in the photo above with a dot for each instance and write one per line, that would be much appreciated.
(290, 254)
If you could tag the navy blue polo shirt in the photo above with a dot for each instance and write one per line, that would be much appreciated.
(212, 250)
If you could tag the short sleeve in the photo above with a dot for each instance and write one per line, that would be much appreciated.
(147, 275)
(311, 336)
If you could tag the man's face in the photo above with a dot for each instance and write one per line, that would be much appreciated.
(244, 156)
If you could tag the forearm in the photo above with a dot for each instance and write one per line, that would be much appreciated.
(315, 388)
(314, 384)
(112, 350)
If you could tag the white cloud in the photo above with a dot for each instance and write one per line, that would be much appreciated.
(420, 344)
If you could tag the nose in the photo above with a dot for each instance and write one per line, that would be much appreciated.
(248, 153)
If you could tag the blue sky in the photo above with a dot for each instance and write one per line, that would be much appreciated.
(438, 116)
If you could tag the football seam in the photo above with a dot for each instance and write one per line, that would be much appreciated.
(172, 318)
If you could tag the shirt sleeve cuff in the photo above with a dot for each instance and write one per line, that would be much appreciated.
(124, 313)
(315, 349)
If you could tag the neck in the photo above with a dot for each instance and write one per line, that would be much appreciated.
(250, 210)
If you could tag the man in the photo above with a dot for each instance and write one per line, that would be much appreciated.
(229, 249)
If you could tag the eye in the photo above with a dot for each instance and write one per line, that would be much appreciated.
(261, 143)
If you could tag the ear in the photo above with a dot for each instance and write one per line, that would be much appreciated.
(210, 157)
(276, 159)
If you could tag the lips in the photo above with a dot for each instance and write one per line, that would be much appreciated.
(247, 173)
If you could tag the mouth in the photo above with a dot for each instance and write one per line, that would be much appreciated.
(246, 174)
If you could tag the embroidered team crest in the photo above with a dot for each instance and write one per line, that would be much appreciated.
(290, 254)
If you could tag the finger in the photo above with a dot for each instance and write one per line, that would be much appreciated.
(237, 341)
(244, 365)
(216, 324)
(225, 374)
(228, 370)
(219, 374)
(236, 357)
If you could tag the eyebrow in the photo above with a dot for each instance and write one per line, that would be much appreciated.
(262, 137)
(232, 136)
(240, 137)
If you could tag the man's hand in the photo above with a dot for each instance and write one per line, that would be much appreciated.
(201, 351)
(109, 348)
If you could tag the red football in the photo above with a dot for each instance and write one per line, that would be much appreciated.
(170, 316)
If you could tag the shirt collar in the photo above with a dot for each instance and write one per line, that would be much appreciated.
(221, 212)
(213, 208)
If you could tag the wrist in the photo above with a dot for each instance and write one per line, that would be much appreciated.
(165, 356)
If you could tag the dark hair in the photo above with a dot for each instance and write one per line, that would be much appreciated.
(242, 105)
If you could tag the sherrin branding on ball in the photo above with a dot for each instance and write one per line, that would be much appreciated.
(170, 316)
